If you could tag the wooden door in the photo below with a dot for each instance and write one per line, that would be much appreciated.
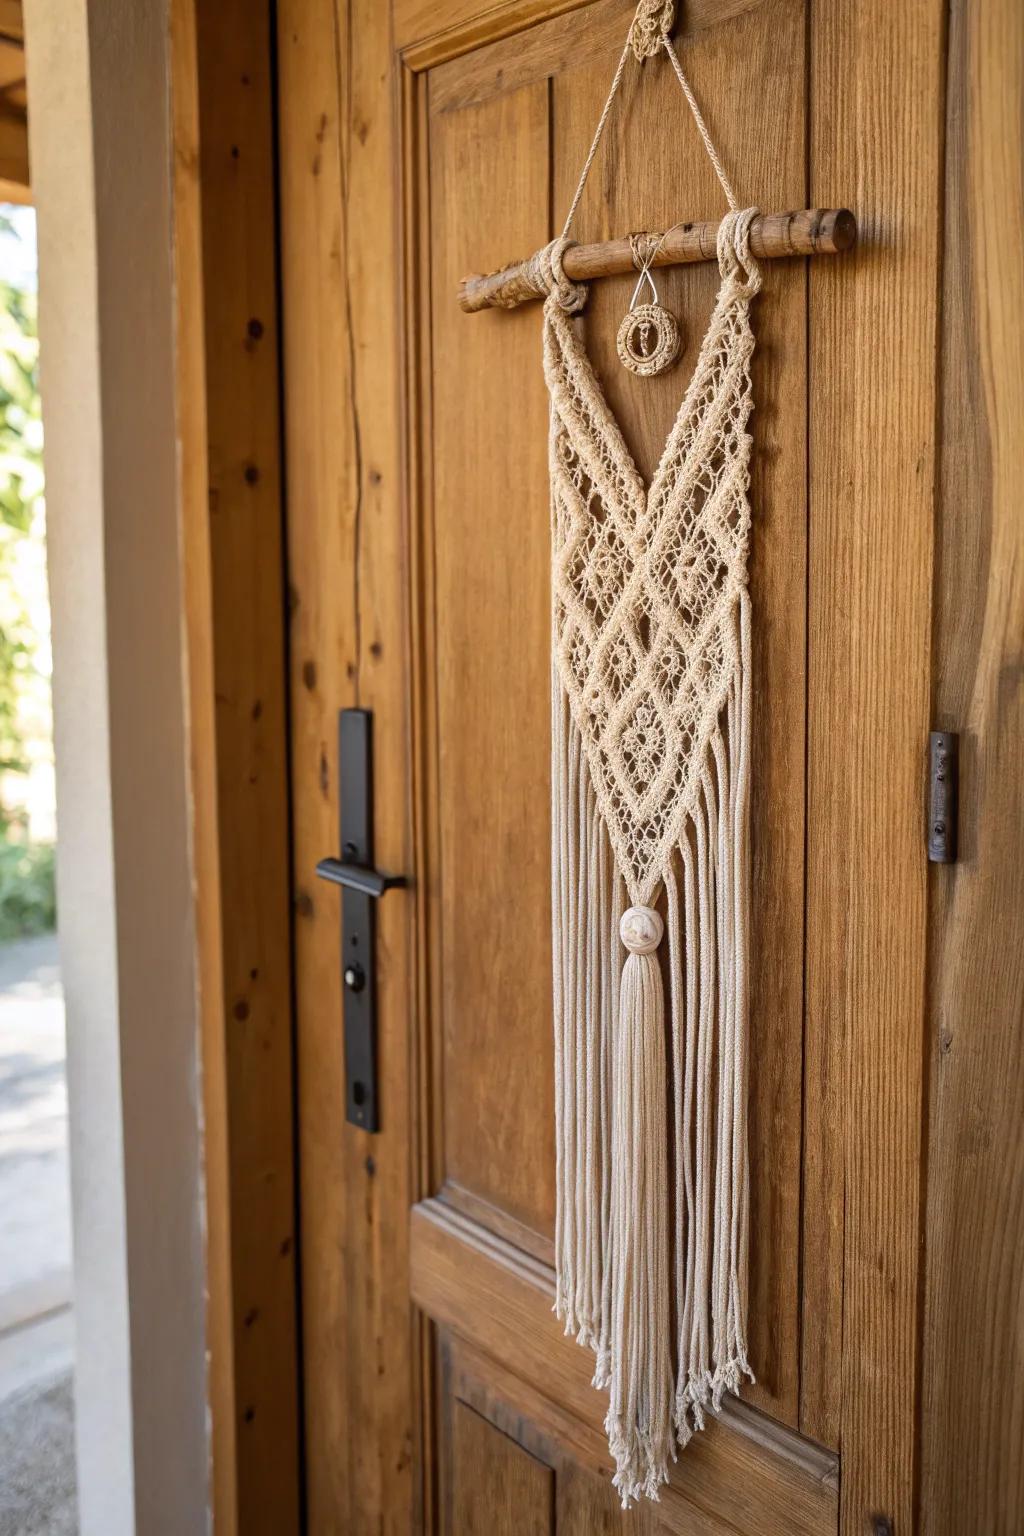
(420, 141)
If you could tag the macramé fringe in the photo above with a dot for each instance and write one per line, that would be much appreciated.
(670, 1339)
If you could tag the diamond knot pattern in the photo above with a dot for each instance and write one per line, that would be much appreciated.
(646, 580)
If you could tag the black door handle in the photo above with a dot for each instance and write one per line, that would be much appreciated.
(361, 887)
(358, 877)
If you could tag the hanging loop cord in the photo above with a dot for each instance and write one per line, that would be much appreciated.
(644, 247)
(702, 127)
(648, 33)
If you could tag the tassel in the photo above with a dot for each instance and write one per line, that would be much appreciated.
(639, 1421)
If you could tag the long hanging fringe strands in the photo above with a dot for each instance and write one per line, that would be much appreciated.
(650, 860)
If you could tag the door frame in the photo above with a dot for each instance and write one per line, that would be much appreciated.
(234, 630)
(101, 174)
(870, 1010)
(228, 397)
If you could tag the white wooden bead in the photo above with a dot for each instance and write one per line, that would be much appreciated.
(641, 929)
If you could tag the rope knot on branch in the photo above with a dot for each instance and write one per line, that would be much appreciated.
(651, 26)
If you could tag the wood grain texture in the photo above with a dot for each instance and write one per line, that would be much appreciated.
(14, 166)
(803, 232)
(490, 558)
(346, 559)
(876, 136)
(426, 1148)
(746, 1472)
(973, 1377)
(12, 20)
(429, 34)
(246, 876)
(540, 37)
(497, 1220)
(12, 71)
(15, 180)
(194, 513)
(322, 494)
(498, 1489)
(585, 1502)
(588, 1506)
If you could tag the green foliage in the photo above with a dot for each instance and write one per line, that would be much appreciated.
(21, 438)
(27, 892)
(21, 485)
(27, 903)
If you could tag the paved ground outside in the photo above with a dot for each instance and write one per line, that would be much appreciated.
(36, 1327)
(35, 1215)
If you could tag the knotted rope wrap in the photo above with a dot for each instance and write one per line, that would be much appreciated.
(644, 245)
(650, 27)
(545, 275)
(650, 864)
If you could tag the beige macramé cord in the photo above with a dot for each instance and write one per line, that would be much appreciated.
(651, 805)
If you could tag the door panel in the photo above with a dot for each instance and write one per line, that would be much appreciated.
(497, 1488)
(418, 572)
(489, 546)
(747, 1474)
(496, 152)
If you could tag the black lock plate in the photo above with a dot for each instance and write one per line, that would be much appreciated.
(358, 919)
(362, 886)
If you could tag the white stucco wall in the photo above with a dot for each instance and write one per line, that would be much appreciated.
(99, 139)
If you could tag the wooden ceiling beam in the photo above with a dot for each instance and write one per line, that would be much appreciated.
(12, 21)
(14, 171)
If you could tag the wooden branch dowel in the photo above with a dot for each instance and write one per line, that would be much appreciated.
(810, 232)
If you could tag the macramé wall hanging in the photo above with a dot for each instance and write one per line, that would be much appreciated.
(651, 773)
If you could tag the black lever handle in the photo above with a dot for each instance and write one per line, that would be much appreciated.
(362, 885)
(359, 877)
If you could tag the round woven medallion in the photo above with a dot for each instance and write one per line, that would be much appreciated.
(648, 340)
